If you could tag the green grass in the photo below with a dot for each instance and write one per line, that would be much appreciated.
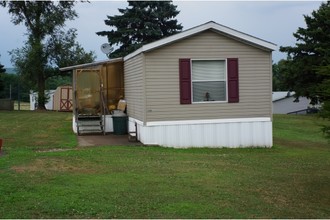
(35, 130)
(290, 180)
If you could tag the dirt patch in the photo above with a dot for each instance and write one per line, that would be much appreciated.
(55, 165)
(299, 144)
(53, 150)
(105, 140)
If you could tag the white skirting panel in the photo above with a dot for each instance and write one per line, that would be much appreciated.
(245, 132)
(74, 124)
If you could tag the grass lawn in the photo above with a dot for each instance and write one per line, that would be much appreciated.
(44, 175)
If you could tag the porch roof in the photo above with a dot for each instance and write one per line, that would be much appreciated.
(96, 63)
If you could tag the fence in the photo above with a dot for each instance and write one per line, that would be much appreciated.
(6, 104)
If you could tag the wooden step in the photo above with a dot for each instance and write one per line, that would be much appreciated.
(132, 137)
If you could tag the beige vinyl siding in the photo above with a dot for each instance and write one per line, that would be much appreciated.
(162, 79)
(134, 87)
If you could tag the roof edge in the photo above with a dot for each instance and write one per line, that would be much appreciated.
(91, 64)
(211, 25)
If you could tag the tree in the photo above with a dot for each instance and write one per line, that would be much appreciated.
(310, 55)
(43, 19)
(140, 23)
(60, 50)
(279, 71)
(65, 51)
(14, 88)
(309, 60)
(2, 70)
(324, 88)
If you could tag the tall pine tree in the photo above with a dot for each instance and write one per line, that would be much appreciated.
(310, 57)
(140, 23)
(309, 60)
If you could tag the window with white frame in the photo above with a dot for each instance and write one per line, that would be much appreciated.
(208, 80)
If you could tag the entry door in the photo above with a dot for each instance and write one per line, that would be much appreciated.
(87, 91)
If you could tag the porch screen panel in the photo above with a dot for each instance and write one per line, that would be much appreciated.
(88, 91)
(115, 84)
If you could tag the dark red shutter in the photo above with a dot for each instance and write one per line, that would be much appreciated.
(185, 81)
(232, 70)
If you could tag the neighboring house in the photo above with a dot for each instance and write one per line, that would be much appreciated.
(286, 103)
(209, 86)
(59, 99)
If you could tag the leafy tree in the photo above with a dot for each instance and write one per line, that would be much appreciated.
(55, 81)
(43, 20)
(309, 60)
(140, 23)
(12, 85)
(60, 50)
(2, 70)
(279, 70)
(324, 88)
(64, 51)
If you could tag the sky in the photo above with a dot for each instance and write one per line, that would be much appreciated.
(273, 21)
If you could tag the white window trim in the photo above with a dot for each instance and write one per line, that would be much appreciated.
(226, 80)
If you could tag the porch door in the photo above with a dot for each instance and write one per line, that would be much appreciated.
(87, 91)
